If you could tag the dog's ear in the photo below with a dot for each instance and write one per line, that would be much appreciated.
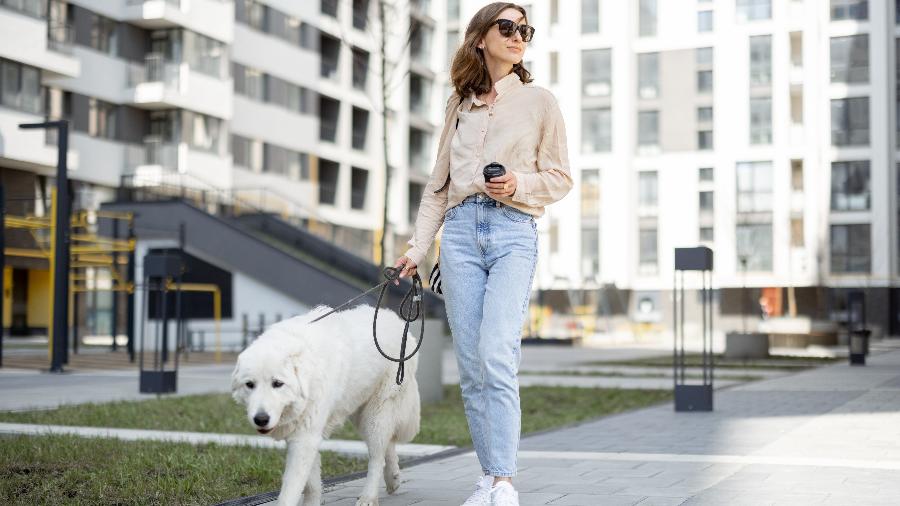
(297, 366)
(236, 384)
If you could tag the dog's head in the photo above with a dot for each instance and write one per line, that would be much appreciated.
(266, 380)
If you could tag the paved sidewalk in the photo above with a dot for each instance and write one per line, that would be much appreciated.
(827, 436)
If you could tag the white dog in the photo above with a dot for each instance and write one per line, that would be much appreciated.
(300, 381)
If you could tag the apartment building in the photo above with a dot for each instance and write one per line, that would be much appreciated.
(268, 104)
(766, 130)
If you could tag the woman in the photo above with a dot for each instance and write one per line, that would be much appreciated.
(489, 244)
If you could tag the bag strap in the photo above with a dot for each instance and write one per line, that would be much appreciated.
(447, 182)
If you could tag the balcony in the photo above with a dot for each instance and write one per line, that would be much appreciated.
(165, 84)
(27, 39)
(152, 154)
(214, 18)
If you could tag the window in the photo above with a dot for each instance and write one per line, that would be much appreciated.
(414, 198)
(360, 14)
(706, 174)
(761, 120)
(797, 231)
(330, 8)
(286, 162)
(204, 54)
(34, 8)
(248, 82)
(704, 114)
(595, 72)
(419, 94)
(704, 81)
(203, 132)
(704, 21)
(590, 194)
(849, 9)
(274, 22)
(797, 175)
(648, 75)
(649, 247)
(329, 110)
(360, 68)
(418, 150)
(20, 87)
(707, 234)
(647, 18)
(247, 153)
(452, 45)
(751, 10)
(287, 95)
(360, 128)
(103, 34)
(754, 187)
(760, 60)
(704, 56)
(251, 12)
(554, 12)
(420, 36)
(590, 223)
(590, 16)
(596, 130)
(328, 178)
(705, 140)
(453, 10)
(330, 48)
(753, 243)
(648, 128)
(706, 201)
(101, 119)
(850, 59)
(851, 248)
(850, 186)
(850, 121)
(358, 182)
(647, 189)
(554, 67)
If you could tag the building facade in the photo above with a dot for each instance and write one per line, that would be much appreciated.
(766, 130)
(272, 105)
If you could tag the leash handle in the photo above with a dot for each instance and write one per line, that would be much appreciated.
(413, 300)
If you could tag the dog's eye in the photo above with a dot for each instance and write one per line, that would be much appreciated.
(250, 385)
(277, 384)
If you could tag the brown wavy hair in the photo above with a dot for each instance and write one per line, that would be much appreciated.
(469, 73)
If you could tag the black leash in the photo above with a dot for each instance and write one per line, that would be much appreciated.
(412, 300)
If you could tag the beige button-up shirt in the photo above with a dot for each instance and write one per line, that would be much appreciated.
(523, 130)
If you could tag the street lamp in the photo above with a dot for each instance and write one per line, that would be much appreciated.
(60, 258)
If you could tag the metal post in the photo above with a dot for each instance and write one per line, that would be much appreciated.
(61, 244)
(114, 317)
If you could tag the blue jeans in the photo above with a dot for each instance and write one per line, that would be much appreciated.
(488, 254)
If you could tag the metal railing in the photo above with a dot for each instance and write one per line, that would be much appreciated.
(155, 69)
(60, 38)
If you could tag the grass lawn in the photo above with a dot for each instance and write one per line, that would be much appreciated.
(74, 471)
(442, 423)
(783, 362)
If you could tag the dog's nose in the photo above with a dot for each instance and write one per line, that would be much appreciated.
(261, 419)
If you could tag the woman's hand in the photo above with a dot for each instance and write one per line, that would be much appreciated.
(409, 268)
(502, 186)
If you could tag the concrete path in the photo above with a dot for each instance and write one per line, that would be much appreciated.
(352, 448)
(827, 436)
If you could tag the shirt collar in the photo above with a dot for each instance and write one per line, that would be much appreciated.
(508, 82)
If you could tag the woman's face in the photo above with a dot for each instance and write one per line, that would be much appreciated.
(500, 49)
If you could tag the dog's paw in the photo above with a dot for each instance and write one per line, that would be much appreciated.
(312, 500)
(392, 481)
(367, 501)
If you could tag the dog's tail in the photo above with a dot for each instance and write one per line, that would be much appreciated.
(409, 411)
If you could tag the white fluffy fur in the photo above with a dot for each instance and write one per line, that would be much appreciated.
(330, 371)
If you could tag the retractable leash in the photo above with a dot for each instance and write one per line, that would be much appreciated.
(412, 300)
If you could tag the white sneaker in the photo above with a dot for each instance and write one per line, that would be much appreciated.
(482, 494)
(503, 494)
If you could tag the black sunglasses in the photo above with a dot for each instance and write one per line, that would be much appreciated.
(508, 27)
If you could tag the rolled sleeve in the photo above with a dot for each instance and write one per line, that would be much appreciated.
(553, 178)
